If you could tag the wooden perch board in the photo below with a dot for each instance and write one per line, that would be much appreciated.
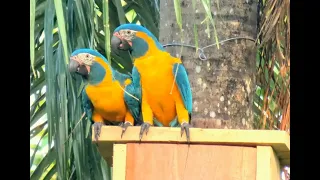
(196, 162)
(278, 140)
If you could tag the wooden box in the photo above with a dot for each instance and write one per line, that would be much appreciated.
(213, 154)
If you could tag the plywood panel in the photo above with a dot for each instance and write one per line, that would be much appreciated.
(158, 161)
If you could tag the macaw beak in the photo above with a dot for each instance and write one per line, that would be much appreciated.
(117, 42)
(75, 66)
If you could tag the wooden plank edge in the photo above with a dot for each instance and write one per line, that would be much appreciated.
(268, 167)
(279, 140)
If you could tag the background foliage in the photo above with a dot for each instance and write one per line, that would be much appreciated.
(60, 139)
(272, 100)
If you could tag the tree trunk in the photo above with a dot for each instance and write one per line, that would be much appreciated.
(223, 85)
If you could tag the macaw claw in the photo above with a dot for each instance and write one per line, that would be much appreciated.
(124, 127)
(97, 130)
(185, 127)
(144, 128)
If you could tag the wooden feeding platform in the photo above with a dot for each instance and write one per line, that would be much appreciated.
(220, 154)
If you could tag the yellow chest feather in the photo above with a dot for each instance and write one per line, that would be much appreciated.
(107, 100)
(159, 88)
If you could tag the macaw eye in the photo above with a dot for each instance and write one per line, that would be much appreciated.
(128, 32)
(87, 55)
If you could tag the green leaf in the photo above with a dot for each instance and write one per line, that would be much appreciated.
(32, 21)
(61, 126)
(81, 14)
(121, 15)
(272, 105)
(49, 175)
(82, 85)
(209, 14)
(62, 28)
(88, 128)
(37, 147)
(44, 164)
(106, 28)
(51, 100)
(37, 115)
(35, 131)
(37, 85)
(38, 100)
(177, 9)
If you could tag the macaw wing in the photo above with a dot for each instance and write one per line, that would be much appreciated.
(121, 77)
(134, 103)
(87, 105)
(183, 84)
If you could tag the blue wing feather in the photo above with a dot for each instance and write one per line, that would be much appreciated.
(120, 77)
(134, 88)
(136, 82)
(183, 84)
(87, 105)
(133, 105)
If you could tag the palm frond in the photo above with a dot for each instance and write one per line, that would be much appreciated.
(272, 102)
(60, 27)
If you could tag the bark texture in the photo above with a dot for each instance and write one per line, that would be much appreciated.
(223, 85)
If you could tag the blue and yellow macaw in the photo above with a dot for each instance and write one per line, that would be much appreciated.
(161, 78)
(109, 97)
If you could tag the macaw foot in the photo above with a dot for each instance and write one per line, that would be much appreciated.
(144, 128)
(97, 130)
(185, 127)
(124, 127)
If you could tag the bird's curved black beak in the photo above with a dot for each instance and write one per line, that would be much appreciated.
(119, 44)
(75, 67)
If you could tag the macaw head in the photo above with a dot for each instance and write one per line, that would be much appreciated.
(90, 64)
(135, 38)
